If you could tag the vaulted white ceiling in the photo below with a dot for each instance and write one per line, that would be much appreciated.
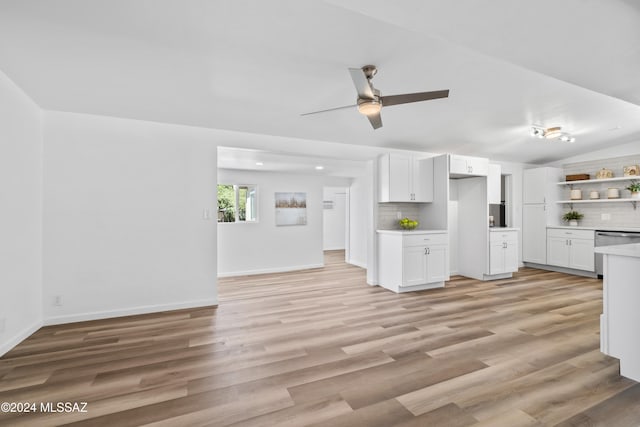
(255, 66)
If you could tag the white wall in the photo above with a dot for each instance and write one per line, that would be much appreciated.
(263, 247)
(123, 217)
(359, 227)
(21, 214)
(628, 149)
(515, 170)
(334, 220)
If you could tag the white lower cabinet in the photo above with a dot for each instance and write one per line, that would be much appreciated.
(503, 252)
(411, 261)
(571, 248)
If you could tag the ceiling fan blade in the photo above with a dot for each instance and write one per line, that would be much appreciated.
(376, 120)
(363, 87)
(413, 97)
(330, 109)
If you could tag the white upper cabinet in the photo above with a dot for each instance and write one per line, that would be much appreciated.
(494, 184)
(404, 178)
(539, 185)
(463, 166)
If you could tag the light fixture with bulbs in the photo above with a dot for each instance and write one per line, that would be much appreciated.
(551, 133)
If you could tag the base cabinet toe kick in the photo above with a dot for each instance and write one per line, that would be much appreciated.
(620, 312)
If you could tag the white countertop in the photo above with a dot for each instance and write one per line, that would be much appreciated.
(416, 231)
(631, 250)
(503, 229)
(602, 228)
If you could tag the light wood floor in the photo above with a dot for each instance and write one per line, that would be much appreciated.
(323, 348)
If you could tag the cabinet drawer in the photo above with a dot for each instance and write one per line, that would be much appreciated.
(425, 239)
(501, 236)
(570, 234)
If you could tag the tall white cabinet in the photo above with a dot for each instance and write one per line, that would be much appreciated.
(539, 195)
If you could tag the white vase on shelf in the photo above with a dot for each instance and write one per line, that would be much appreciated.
(573, 222)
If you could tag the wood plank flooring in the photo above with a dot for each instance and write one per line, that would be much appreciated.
(321, 347)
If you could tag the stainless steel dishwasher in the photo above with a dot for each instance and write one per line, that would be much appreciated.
(610, 238)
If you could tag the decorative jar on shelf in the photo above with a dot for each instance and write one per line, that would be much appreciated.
(604, 173)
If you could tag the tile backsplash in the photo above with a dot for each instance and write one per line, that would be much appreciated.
(621, 214)
(387, 214)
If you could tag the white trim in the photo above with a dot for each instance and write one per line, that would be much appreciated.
(334, 249)
(270, 270)
(19, 337)
(96, 315)
(357, 263)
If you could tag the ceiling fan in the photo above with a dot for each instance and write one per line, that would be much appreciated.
(370, 101)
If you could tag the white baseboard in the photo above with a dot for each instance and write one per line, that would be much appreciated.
(333, 249)
(270, 270)
(357, 263)
(96, 315)
(19, 337)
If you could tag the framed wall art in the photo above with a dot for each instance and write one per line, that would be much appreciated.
(291, 209)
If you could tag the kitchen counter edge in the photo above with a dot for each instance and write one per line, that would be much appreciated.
(411, 231)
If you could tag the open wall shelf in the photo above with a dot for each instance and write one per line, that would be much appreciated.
(598, 181)
(626, 200)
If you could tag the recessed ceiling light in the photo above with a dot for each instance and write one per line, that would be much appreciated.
(319, 168)
(259, 163)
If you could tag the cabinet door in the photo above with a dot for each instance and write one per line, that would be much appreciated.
(534, 234)
(478, 166)
(534, 184)
(457, 165)
(496, 257)
(511, 256)
(558, 251)
(436, 263)
(494, 184)
(581, 254)
(414, 266)
(422, 182)
(400, 178)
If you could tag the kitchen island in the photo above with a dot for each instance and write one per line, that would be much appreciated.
(620, 315)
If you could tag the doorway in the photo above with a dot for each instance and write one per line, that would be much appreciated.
(335, 224)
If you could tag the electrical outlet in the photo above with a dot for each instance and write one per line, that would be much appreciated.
(605, 217)
(3, 322)
(206, 214)
(398, 215)
(57, 300)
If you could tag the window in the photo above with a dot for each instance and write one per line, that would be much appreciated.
(237, 203)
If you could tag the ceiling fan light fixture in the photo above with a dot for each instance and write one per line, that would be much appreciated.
(554, 132)
(537, 132)
(369, 107)
(567, 138)
(551, 133)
